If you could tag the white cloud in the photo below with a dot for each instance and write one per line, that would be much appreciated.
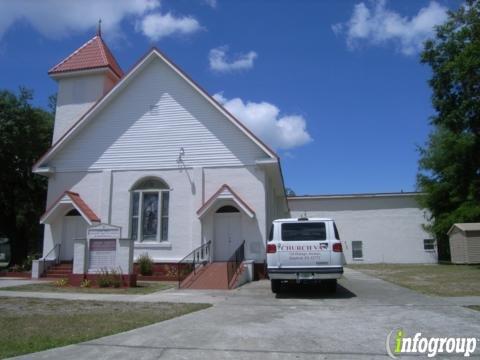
(378, 25)
(211, 3)
(60, 18)
(264, 119)
(219, 62)
(156, 26)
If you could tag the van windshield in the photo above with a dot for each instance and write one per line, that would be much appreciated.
(304, 231)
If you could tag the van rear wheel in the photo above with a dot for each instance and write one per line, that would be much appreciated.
(276, 285)
(331, 285)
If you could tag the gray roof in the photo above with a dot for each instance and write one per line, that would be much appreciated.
(360, 195)
(465, 227)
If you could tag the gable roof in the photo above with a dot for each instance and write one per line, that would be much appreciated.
(465, 227)
(137, 68)
(73, 198)
(225, 192)
(94, 54)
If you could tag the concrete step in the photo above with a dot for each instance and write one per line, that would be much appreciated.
(57, 276)
(61, 267)
(59, 271)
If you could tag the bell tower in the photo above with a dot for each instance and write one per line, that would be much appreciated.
(83, 78)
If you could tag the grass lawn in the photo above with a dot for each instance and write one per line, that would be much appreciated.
(441, 280)
(143, 287)
(29, 325)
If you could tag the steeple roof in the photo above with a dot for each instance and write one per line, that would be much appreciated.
(94, 54)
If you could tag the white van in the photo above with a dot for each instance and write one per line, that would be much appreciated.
(304, 250)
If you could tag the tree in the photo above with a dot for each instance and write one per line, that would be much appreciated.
(449, 166)
(25, 134)
(289, 192)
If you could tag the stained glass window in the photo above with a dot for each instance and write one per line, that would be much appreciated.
(149, 212)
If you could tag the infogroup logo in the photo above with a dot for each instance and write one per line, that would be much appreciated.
(431, 346)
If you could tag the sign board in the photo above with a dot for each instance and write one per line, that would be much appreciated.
(103, 232)
(102, 254)
(102, 247)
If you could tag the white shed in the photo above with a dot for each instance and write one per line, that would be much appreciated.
(465, 243)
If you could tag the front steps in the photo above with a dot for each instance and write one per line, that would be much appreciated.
(212, 276)
(62, 270)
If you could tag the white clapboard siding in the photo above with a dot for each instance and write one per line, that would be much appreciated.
(148, 122)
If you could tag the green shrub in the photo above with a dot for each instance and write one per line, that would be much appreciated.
(104, 279)
(110, 277)
(85, 283)
(61, 282)
(27, 263)
(116, 278)
(15, 268)
(145, 264)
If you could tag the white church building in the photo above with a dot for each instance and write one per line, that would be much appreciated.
(151, 152)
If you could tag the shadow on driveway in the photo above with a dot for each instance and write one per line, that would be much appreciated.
(307, 291)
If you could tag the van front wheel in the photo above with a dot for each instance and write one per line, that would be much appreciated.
(275, 286)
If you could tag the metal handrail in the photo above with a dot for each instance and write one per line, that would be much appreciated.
(235, 261)
(57, 258)
(198, 257)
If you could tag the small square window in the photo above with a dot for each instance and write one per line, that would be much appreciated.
(357, 249)
(429, 244)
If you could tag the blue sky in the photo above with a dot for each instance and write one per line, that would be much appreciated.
(335, 86)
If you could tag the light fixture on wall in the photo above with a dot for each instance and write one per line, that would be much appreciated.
(181, 155)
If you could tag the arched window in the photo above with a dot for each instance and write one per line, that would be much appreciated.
(150, 202)
(73, 212)
(228, 209)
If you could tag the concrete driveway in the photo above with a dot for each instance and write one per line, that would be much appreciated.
(252, 323)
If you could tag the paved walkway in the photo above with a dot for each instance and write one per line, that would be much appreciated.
(250, 322)
(8, 281)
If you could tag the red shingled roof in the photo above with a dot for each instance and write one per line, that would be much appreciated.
(79, 203)
(93, 54)
(83, 206)
(215, 196)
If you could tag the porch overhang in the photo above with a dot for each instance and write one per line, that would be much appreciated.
(225, 193)
(67, 201)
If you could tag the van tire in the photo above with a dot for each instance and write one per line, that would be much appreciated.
(331, 285)
(276, 285)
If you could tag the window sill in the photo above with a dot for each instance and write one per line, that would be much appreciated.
(152, 245)
(357, 259)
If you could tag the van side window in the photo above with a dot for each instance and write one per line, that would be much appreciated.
(270, 235)
(337, 235)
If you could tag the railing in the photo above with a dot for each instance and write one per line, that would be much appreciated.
(235, 261)
(190, 263)
(57, 256)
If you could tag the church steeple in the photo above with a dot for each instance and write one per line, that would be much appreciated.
(93, 54)
(83, 77)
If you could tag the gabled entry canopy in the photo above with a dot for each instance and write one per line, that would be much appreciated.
(67, 201)
(225, 193)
